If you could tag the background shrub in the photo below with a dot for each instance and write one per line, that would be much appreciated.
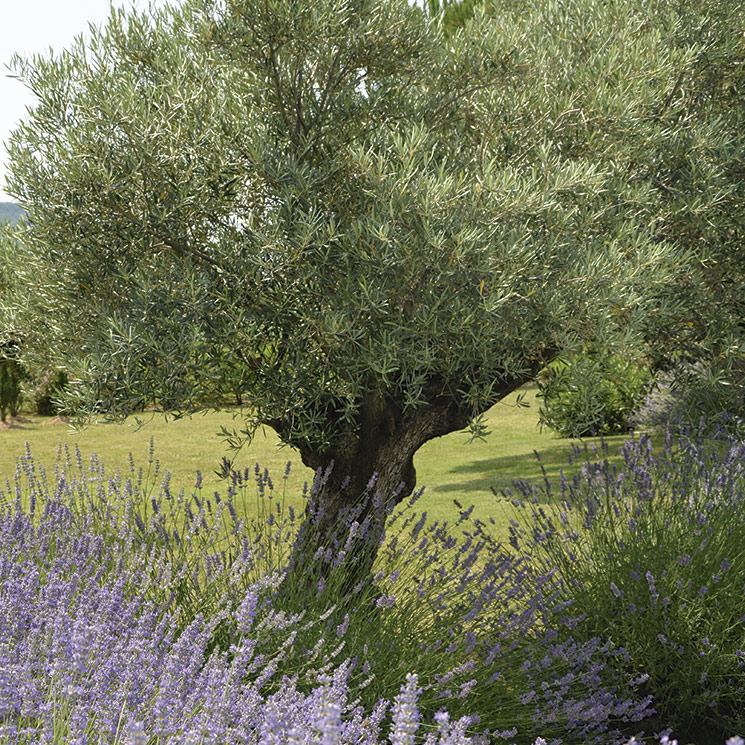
(11, 375)
(591, 394)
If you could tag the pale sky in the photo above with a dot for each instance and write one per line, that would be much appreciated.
(33, 26)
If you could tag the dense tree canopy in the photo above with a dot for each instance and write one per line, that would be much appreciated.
(383, 225)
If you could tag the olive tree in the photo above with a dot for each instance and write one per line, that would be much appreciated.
(385, 227)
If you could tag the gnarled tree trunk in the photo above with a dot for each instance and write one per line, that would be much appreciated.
(362, 479)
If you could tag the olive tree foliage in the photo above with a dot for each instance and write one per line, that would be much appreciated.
(690, 152)
(702, 358)
(387, 228)
(452, 14)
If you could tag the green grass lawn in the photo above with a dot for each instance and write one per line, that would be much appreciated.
(449, 467)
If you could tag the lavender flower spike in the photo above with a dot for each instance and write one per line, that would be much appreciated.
(406, 713)
(454, 734)
(136, 734)
(328, 720)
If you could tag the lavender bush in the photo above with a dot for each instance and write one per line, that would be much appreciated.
(649, 557)
(107, 619)
(132, 614)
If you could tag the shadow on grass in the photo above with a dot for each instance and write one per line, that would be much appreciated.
(501, 471)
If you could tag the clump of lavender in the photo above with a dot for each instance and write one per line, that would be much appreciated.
(649, 558)
(101, 639)
(451, 603)
(134, 611)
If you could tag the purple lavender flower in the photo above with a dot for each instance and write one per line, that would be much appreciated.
(405, 712)
(328, 721)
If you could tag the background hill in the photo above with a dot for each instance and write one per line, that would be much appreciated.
(10, 212)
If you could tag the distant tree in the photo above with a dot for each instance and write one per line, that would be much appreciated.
(11, 374)
(10, 381)
(390, 227)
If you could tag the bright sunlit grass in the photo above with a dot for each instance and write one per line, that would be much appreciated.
(450, 468)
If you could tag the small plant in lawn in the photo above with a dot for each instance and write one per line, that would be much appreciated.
(43, 390)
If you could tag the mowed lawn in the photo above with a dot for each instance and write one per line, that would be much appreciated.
(450, 468)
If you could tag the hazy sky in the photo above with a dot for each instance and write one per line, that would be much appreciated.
(33, 26)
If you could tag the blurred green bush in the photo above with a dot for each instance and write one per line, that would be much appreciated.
(591, 394)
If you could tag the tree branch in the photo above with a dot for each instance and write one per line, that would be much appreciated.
(182, 250)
